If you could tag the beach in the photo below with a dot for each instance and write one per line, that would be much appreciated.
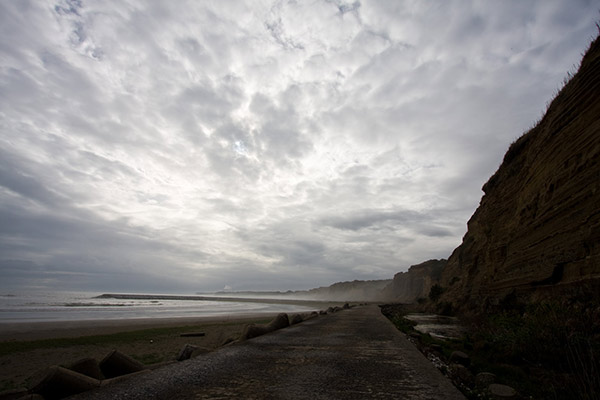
(27, 349)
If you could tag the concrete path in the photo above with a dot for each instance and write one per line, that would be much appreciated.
(352, 354)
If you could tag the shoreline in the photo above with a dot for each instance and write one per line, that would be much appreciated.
(41, 330)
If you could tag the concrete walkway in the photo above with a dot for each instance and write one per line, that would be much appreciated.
(352, 354)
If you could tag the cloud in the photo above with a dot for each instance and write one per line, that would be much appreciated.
(188, 146)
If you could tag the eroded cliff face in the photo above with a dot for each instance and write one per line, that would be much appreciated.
(415, 283)
(537, 228)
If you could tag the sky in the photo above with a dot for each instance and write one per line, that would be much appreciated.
(183, 146)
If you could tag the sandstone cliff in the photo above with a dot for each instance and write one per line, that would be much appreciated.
(416, 283)
(537, 228)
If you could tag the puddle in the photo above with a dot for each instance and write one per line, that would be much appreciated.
(438, 326)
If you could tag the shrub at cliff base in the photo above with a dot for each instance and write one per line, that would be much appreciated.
(557, 345)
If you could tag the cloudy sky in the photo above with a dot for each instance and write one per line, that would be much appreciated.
(181, 146)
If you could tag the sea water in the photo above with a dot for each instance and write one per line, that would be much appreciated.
(79, 306)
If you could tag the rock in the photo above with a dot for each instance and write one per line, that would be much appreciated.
(461, 374)
(87, 366)
(117, 364)
(322, 312)
(59, 382)
(501, 392)
(459, 357)
(296, 319)
(346, 306)
(186, 352)
(252, 330)
(484, 379)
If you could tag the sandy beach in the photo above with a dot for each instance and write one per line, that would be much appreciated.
(27, 349)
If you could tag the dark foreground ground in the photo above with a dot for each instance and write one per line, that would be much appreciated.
(352, 354)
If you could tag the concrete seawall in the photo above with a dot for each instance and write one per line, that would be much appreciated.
(352, 354)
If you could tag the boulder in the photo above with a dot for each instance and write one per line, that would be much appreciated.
(59, 382)
(501, 392)
(87, 366)
(117, 364)
(458, 357)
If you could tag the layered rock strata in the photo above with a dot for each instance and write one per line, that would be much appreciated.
(537, 228)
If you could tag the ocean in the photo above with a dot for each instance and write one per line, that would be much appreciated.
(79, 306)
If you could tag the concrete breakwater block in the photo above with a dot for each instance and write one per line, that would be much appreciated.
(312, 315)
(281, 321)
(117, 364)
(122, 378)
(186, 352)
(59, 382)
(296, 319)
(87, 366)
(251, 331)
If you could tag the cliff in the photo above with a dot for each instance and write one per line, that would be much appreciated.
(537, 228)
(416, 283)
(349, 291)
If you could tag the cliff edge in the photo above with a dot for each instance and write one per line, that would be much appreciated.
(537, 228)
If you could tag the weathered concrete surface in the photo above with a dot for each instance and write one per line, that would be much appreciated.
(352, 354)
